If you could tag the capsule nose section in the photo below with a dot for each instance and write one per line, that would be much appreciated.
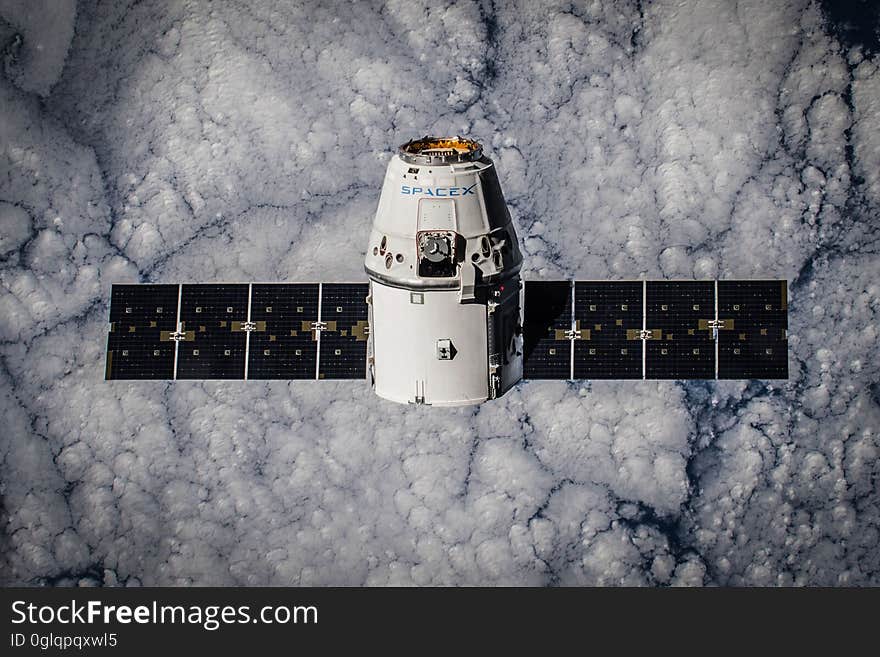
(440, 150)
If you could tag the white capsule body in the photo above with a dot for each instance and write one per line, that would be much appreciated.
(445, 293)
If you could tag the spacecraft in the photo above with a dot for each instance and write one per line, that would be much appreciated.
(444, 317)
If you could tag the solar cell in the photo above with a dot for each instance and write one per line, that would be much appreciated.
(685, 346)
(343, 343)
(211, 320)
(608, 321)
(142, 317)
(283, 344)
(753, 343)
(546, 323)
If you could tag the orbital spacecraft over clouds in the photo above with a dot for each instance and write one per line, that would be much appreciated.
(445, 318)
(164, 143)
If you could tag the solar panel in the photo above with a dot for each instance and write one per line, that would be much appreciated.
(283, 342)
(682, 344)
(546, 327)
(211, 320)
(584, 330)
(142, 317)
(343, 343)
(608, 323)
(753, 339)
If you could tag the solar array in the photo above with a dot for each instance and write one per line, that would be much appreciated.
(571, 330)
(238, 331)
(655, 330)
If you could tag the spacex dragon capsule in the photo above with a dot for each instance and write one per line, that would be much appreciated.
(445, 293)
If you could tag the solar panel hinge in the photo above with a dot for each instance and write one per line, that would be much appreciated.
(646, 334)
(318, 326)
(572, 334)
(177, 336)
(248, 326)
(715, 325)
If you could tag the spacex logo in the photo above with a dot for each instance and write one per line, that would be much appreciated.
(437, 191)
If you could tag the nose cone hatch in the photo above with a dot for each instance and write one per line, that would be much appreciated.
(440, 150)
